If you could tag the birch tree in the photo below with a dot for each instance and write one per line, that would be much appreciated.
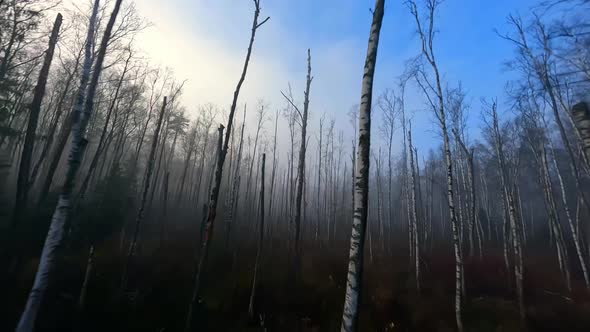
(82, 114)
(435, 97)
(361, 191)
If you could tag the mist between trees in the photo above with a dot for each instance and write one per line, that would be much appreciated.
(122, 210)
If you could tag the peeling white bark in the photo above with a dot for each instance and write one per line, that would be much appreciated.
(361, 192)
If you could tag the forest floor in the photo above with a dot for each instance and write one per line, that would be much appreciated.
(162, 280)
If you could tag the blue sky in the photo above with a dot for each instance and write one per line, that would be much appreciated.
(204, 42)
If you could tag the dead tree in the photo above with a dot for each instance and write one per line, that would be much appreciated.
(260, 240)
(415, 221)
(23, 181)
(301, 165)
(233, 198)
(82, 114)
(319, 176)
(212, 206)
(274, 167)
(101, 142)
(146, 186)
(388, 105)
(361, 191)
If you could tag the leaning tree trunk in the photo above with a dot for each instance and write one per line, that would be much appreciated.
(572, 225)
(59, 111)
(82, 114)
(146, 186)
(554, 219)
(100, 148)
(361, 193)
(23, 182)
(212, 206)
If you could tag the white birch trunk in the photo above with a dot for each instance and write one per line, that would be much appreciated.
(361, 193)
(55, 234)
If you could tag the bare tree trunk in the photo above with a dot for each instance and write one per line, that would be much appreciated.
(87, 275)
(146, 186)
(63, 136)
(317, 233)
(56, 229)
(471, 175)
(235, 190)
(426, 38)
(101, 142)
(573, 228)
(165, 211)
(361, 193)
(212, 207)
(260, 240)
(554, 219)
(301, 170)
(414, 212)
(514, 229)
(581, 114)
(59, 110)
(191, 148)
(274, 167)
(23, 181)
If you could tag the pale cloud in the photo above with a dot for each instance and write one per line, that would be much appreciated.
(205, 43)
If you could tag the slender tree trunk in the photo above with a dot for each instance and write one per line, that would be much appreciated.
(260, 240)
(514, 229)
(235, 190)
(361, 193)
(573, 228)
(59, 111)
(274, 168)
(318, 198)
(55, 234)
(23, 181)
(63, 136)
(164, 211)
(414, 212)
(87, 275)
(212, 206)
(301, 171)
(146, 186)
(471, 178)
(101, 142)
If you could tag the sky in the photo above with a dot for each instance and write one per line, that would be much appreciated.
(204, 42)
